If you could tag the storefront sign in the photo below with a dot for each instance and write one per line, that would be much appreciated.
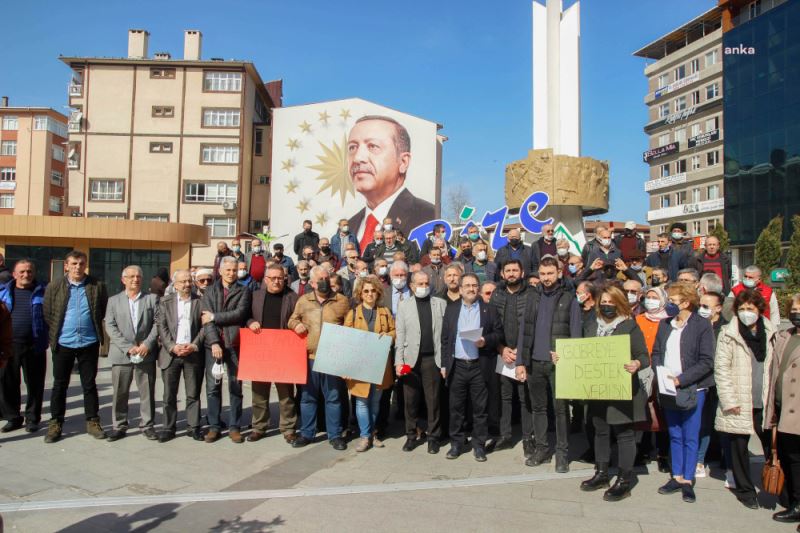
(661, 151)
(704, 138)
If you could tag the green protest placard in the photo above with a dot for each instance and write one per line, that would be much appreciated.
(592, 369)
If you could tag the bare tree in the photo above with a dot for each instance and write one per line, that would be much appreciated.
(455, 198)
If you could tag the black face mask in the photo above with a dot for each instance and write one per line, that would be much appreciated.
(324, 287)
(514, 242)
(308, 231)
(655, 282)
(278, 254)
(794, 318)
(467, 252)
(608, 311)
(325, 249)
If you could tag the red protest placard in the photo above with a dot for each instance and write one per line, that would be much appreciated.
(273, 355)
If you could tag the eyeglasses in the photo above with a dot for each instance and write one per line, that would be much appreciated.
(369, 291)
(204, 280)
(275, 279)
(549, 232)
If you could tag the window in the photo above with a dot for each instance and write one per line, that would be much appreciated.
(680, 166)
(696, 197)
(110, 216)
(695, 163)
(712, 158)
(224, 154)
(257, 226)
(258, 142)
(712, 124)
(680, 103)
(56, 178)
(210, 192)
(220, 118)
(147, 217)
(665, 201)
(163, 111)
(694, 66)
(161, 148)
(663, 80)
(664, 170)
(712, 224)
(40, 122)
(680, 197)
(697, 227)
(261, 110)
(6, 201)
(109, 190)
(162, 73)
(8, 174)
(222, 81)
(712, 91)
(55, 204)
(680, 72)
(8, 148)
(263, 180)
(712, 57)
(10, 123)
(712, 191)
(755, 8)
(663, 139)
(663, 110)
(695, 97)
(43, 122)
(695, 129)
(58, 153)
(74, 156)
(680, 135)
(663, 228)
(221, 226)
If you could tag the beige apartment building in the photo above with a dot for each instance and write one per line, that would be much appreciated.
(684, 126)
(171, 140)
(32, 160)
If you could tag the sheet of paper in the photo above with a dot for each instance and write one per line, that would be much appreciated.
(272, 356)
(504, 369)
(594, 368)
(472, 335)
(665, 384)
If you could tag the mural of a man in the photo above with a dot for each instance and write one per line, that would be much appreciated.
(378, 157)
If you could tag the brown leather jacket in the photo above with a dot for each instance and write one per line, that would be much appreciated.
(313, 314)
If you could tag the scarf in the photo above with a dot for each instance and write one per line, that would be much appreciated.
(757, 342)
(604, 329)
(659, 314)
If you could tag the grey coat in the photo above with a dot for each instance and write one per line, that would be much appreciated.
(408, 331)
(167, 325)
(119, 327)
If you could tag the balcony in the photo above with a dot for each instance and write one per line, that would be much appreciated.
(75, 89)
(679, 211)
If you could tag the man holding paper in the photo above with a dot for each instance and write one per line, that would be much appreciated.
(471, 329)
(312, 310)
(271, 309)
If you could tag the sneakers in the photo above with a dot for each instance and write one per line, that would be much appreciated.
(730, 483)
(363, 444)
(94, 428)
(700, 471)
(53, 432)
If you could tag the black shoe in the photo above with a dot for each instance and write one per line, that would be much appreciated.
(688, 493)
(502, 444)
(792, 514)
(31, 427)
(663, 465)
(454, 452)
(750, 503)
(587, 457)
(480, 454)
(411, 443)
(621, 488)
(642, 459)
(670, 487)
(150, 433)
(527, 448)
(196, 434)
(166, 436)
(600, 479)
(301, 441)
(338, 444)
(12, 425)
(540, 456)
(433, 447)
(116, 434)
(562, 465)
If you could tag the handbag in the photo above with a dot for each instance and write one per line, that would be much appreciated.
(772, 473)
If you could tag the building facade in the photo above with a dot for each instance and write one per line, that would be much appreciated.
(762, 107)
(33, 175)
(685, 126)
(171, 140)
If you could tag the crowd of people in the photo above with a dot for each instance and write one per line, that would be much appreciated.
(731, 370)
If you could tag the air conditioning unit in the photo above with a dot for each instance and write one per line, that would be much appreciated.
(228, 206)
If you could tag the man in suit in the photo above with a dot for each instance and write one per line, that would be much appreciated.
(181, 335)
(131, 327)
(461, 365)
(418, 345)
(378, 157)
(271, 309)
(225, 309)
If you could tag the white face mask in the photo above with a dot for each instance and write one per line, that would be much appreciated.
(749, 283)
(398, 283)
(422, 292)
(436, 260)
(704, 312)
(256, 249)
(387, 227)
(481, 256)
(242, 274)
(136, 359)
(632, 298)
(236, 249)
(363, 274)
(563, 251)
(748, 318)
(218, 371)
(651, 304)
(605, 242)
(382, 271)
(345, 229)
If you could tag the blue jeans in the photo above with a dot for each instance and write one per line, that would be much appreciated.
(684, 437)
(367, 411)
(214, 391)
(327, 387)
(707, 424)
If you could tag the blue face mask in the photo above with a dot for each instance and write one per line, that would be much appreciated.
(572, 268)
(671, 309)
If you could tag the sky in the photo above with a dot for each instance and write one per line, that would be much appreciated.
(465, 64)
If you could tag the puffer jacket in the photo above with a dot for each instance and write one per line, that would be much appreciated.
(733, 374)
(313, 314)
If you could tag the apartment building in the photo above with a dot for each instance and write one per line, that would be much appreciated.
(171, 140)
(685, 126)
(32, 160)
